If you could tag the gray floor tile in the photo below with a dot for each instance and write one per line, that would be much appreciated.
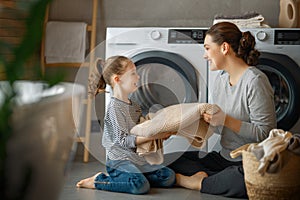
(79, 170)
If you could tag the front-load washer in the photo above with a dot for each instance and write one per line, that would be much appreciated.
(280, 61)
(170, 64)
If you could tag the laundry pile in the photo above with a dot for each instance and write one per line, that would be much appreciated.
(246, 20)
(269, 152)
(185, 119)
(272, 167)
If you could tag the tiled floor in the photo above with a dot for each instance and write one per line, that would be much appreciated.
(79, 170)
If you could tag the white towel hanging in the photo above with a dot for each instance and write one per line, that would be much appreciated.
(65, 42)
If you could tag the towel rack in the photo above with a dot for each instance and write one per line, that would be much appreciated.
(88, 101)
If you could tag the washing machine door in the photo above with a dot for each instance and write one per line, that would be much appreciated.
(283, 74)
(165, 79)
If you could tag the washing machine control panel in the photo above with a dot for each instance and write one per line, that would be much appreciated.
(287, 37)
(186, 36)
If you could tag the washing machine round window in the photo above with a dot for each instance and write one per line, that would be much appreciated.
(165, 79)
(282, 72)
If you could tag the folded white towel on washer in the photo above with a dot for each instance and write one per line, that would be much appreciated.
(247, 20)
(65, 42)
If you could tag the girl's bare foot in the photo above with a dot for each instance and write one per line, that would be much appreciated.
(88, 182)
(193, 182)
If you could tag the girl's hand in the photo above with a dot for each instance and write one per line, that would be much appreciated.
(163, 136)
(166, 135)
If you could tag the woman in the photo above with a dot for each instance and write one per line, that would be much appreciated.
(247, 113)
(127, 172)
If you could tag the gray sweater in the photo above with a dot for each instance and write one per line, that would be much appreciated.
(251, 100)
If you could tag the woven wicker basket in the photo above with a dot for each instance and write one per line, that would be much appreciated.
(282, 185)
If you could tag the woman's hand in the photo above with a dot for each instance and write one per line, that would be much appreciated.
(216, 119)
(222, 119)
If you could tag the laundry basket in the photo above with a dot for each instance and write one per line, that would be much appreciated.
(282, 185)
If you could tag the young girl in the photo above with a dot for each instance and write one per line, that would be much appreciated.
(127, 171)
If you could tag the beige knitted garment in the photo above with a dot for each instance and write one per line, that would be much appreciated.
(185, 119)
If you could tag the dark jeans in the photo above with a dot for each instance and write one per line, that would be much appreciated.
(225, 177)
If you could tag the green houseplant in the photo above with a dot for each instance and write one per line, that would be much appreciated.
(14, 70)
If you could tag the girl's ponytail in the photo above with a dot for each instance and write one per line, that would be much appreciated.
(96, 82)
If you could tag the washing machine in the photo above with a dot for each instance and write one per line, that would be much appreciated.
(280, 60)
(170, 64)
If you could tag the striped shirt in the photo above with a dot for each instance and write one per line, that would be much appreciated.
(117, 140)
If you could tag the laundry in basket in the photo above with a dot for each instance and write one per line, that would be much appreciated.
(272, 167)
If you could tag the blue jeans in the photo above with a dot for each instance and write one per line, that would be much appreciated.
(124, 176)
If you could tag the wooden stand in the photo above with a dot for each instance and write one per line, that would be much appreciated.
(88, 101)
